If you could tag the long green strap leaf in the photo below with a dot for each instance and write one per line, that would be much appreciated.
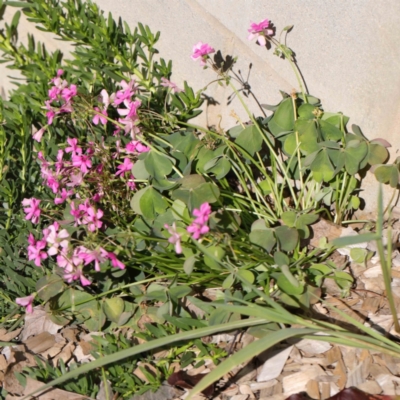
(194, 334)
(250, 351)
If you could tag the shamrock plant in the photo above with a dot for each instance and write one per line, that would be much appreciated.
(119, 201)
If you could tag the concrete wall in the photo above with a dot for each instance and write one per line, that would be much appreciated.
(348, 53)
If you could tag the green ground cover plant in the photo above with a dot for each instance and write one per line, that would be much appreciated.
(115, 206)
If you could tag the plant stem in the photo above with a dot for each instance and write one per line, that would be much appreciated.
(267, 142)
(386, 263)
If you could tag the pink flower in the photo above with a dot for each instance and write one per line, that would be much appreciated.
(64, 194)
(167, 83)
(51, 113)
(260, 31)
(92, 218)
(197, 230)
(78, 213)
(201, 50)
(75, 179)
(35, 250)
(114, 261)
(73, 146)
(26, 302)
(175, 238)
(100, 116)
(136, 146)
(131, 183)
(129, 89)
(74, 276)
(199, 226)
(68, 93)
(125, 167)
(56, 79)
(82, 161)
(202, 214)
(32, 209)
(67, 261)
(54, 93)
(56, 239)
(98, 256)
(38, 135)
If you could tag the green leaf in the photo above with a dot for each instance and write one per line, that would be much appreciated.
(157, 164)
(246, 275)
(306, 111)
(329, 131)
(358, 255)
(355, 152)
(289, 218)
(221, 167)
(250, 140)
(139, 170)
(377, 154)
(152, 203)
(185, 142)
(194, 198)
(308, 135)
(281, 258)
(113, 308)
(219, 316)
(264, 238)
(283, 119)
(189, 263)
(177, 292)
(287, 286)
(49, 286)
(228, 282)
(322, 167)
(350, 240)
(387, 174)
(215, 252)
(287, 237)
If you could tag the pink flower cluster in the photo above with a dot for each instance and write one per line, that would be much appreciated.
(26, 302)
(129, 116)
(71, 260)
(64, 175)
(60, 101)
(260, 31)
(32, 209)
(167, 83)
(199, 226)
(201, 50)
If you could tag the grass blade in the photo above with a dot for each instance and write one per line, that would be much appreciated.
(100, 362)
(250, 351)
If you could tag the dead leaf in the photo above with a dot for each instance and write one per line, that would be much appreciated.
(40, 343)
(165, 392)
(105, 392)
(8, 336)
(272, 368)
(17, 361)
(183, 380)
(345, 394)
(65, 354)
(324, 228)
(38, 322)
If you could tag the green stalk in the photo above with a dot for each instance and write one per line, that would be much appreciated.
(284, 49)
(386, 263)
(267, 142)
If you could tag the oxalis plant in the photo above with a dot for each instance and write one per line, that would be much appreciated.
(116, 207)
